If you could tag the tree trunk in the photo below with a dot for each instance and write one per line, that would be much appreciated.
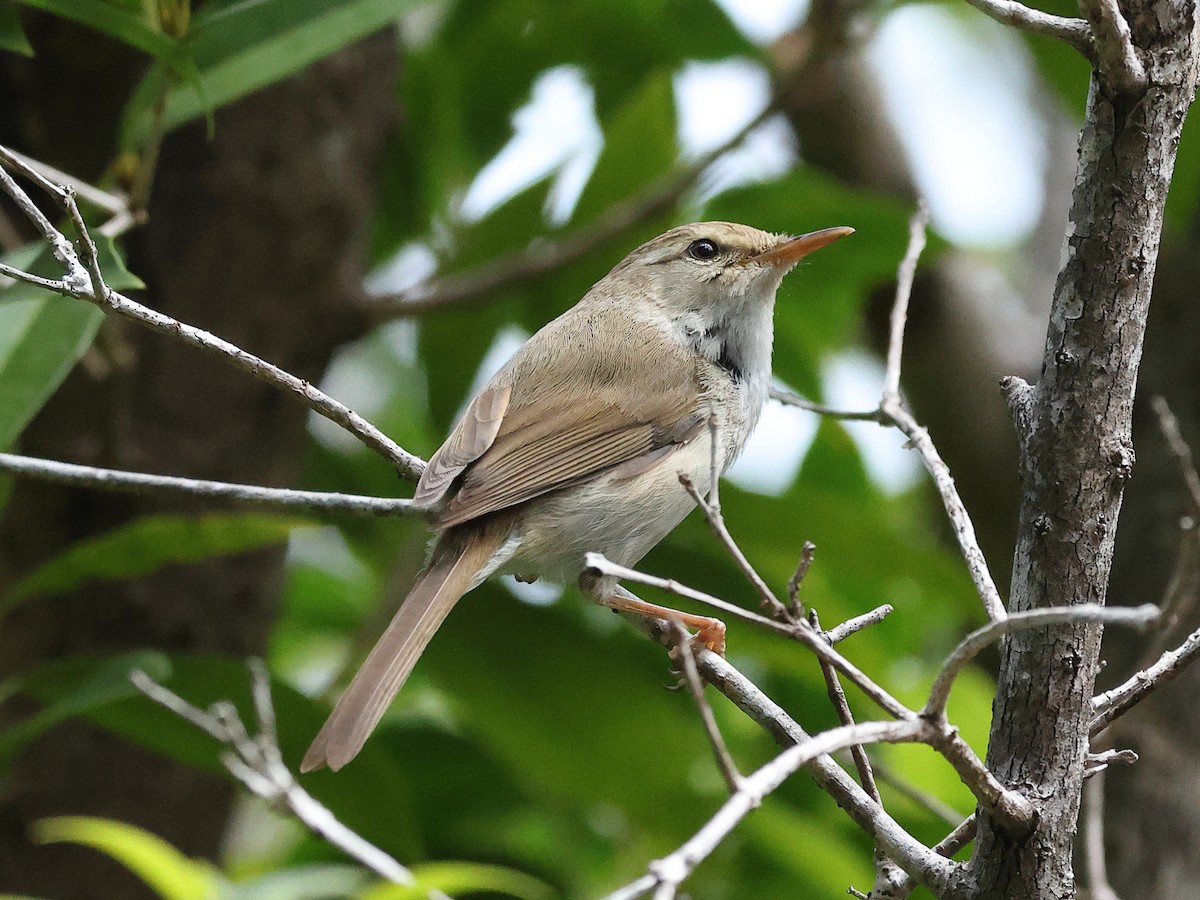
(1076, 427)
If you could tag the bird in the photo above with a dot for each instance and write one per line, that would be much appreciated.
(578, 442)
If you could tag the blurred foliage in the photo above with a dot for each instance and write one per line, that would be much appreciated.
(536, 743)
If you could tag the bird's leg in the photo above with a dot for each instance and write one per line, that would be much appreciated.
(710, 632)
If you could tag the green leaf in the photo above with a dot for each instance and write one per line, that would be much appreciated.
(241, 47)
(42, 334)
(167, 871)
(639, 146)
(12, 34)
(370, 797)
(1184, 197)
(457, 878)
(148, 544)
(129, 27)
(598, 696)
(76, 693)
(315, 882)
(40, 340)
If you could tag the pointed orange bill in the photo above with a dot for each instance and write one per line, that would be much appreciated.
(792, 251)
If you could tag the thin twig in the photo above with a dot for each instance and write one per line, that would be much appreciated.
(948, 846)
(691, 677)
(1096, 763)
(58, 286)
(1169, 425)
(487, 281)
(112, 202)
(85, 281)
(910, 853)
(1007, 805)
(800, 631)
(257, 763)
(1093, 840)
(406, 463)
(1072, 31)
(716, 521)
(851, 415)
(918, 223)
(173, 486)
(972, 644)
(1116, 56)
(851, 627)
(1112, 704)
(673, 869)
(891, 411)
(841, 706)
(964, 529)
(935, 806)
(807, 552)
(63, 251)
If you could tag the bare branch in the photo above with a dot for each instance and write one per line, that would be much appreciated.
(602, 565)
(63, 251)
(1113, 704)
(672, 870)
(113, 203)
(487, 281)
(907, 271)
(59, 287)
(1093, 840)
(691, 676)
(712, 514)
(406, 463)
(257, 763)
(851, 627)
(85, 281)
(1116, 56)
(795, 607)
(800, 631)
(851, 415)
(1072, 31)
(972, 644)
(899, 845)
(962, 835)
(1097, 762)
(837, 696)
(1003, 803)
(1169, 425)
(172, 486)
(891, 411)
(960, 519)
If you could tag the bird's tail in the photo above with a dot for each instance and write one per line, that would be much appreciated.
(450, 573)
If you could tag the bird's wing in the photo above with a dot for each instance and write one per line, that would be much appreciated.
(469, 440)
(555, 416)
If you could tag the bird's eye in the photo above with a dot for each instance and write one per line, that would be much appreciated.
(703, 249)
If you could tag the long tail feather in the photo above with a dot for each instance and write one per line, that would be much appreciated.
(447, 577)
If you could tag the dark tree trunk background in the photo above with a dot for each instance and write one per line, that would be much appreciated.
(1154, 806)
(259, 235)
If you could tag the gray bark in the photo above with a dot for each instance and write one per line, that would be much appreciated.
(1077, 452)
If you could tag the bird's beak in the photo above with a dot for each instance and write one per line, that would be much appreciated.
(788, 253)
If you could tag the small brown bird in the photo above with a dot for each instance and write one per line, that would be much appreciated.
(577, 443)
